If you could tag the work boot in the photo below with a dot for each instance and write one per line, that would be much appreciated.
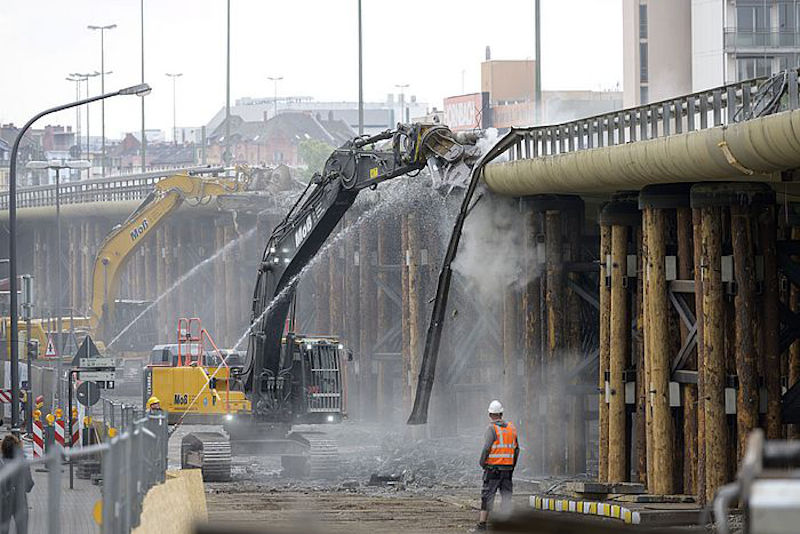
(480, 527)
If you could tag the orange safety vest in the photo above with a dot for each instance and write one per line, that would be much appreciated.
(505, 442)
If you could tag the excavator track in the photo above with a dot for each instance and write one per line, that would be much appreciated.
(208, 451)
(321, 461)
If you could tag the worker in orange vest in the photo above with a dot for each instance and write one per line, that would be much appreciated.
(498, 459)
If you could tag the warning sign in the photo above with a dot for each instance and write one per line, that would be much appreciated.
(51, 348)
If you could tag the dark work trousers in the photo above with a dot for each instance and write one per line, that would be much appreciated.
(494, 480)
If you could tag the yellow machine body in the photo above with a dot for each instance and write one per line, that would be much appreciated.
(184, 393)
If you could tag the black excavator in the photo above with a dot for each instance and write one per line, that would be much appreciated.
(291, 378)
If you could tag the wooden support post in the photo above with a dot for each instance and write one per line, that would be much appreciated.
(335, 290)
(219, 288)
(618, 356)
(414, 307)
(533, 341)
(385, 241)
(688, 391)
(555, 343)
(744, 266)
(368, 259)
(352, 310)
(405, 313)
(697, 231)
(638, 358)
(576, 406)
(716, 431)
(662, 451)
(604, 350)
(769, 316)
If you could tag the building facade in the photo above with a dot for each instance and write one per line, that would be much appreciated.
(681, 46)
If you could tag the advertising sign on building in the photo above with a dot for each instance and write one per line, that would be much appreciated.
(467, 112)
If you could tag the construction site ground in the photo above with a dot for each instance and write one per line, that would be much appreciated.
(433, 492)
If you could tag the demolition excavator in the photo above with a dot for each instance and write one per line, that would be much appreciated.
(291, 378)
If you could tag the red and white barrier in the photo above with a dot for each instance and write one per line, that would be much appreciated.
(5, 396)
(60, 431)
(75, 432)
(38, 438)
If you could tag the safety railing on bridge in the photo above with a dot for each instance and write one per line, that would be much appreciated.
(699, 111)
(40, 496)
(110, 189)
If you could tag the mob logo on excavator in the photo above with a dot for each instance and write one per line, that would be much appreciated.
(139, 230)
(302, 230)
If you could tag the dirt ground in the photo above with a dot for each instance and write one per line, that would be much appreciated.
(435, 492)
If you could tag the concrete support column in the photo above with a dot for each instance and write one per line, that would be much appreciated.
(405, 350)
(335, 287)
(353, 314)
(412, 260)
(576, 435)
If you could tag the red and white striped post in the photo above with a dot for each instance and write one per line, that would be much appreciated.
(38, 435)
(60, 434)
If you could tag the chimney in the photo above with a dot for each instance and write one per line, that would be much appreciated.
(488, 53)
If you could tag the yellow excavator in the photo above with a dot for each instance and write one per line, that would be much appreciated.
(107, 315)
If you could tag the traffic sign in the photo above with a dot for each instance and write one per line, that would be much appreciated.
(50, 352)
(96, 362)
(87, 350)
(97, 376)
(88, 393)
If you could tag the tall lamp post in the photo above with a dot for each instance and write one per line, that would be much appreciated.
(360, 75)
(275, 80)
(58, 165)
(85, 77)
(138, 90)
(402, 87)
(102, 30)
(77, 80)
(174, 77)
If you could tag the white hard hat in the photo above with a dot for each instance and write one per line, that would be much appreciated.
(495, 407)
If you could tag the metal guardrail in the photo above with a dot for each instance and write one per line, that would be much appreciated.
(131, 464)
(698, 111)
(110, 189)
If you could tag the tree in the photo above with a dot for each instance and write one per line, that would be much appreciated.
(314, 153)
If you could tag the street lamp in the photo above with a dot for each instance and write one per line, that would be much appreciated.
(360, 75)
(77, 80)
(138, 90)
(275, 80)
(85, 77)
(402, 87)
(102, 30)
(174, 77)
(58, 165)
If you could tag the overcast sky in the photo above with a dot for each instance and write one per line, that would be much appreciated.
(427, 44)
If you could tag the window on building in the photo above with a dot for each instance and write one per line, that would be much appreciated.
(642, 21)
(644, 95)
(277, 157)
(753, 67)
(643, 78)
(753, 16)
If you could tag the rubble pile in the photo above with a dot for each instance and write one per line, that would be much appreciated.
(399, 462)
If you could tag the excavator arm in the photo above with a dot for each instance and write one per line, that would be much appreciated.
(355, 166)
(168, 194)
